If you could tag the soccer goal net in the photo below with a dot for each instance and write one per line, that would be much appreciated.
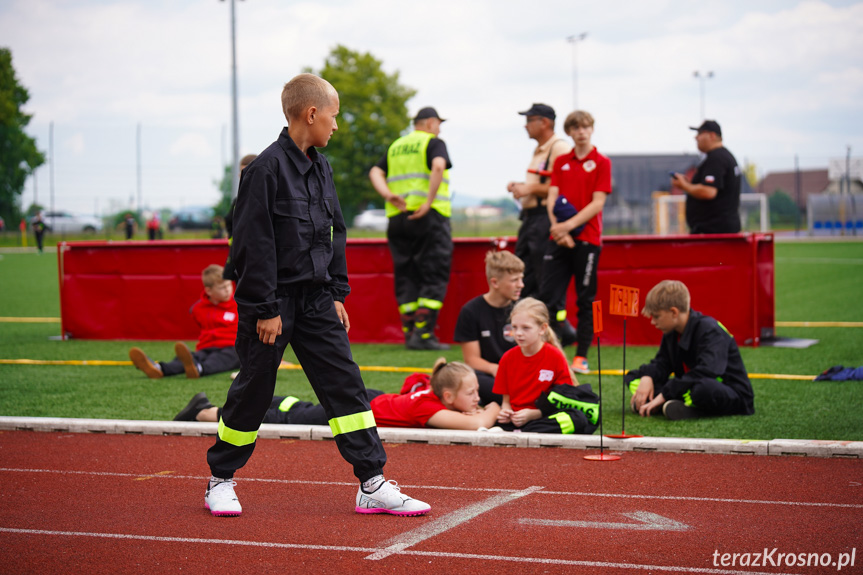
(669, 213)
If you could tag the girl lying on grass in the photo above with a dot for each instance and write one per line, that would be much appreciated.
(449, 399)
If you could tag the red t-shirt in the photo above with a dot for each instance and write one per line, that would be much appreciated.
(408, 410)
(577, 180)
(218, 322)
(524, 379)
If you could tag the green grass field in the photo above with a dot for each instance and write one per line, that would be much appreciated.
(815, 281)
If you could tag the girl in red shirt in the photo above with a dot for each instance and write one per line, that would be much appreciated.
(532, 368)
(447, 400)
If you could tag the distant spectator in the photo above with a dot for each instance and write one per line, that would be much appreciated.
(154, 227)
(131, 225)
(39, 227)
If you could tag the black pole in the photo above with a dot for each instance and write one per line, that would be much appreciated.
(599, 379)
(623, 379)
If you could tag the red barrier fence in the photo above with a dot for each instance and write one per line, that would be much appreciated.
(143, 290)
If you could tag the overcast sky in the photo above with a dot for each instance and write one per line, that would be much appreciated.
(787, 79)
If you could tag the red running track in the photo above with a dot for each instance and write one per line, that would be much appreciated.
(122, 504)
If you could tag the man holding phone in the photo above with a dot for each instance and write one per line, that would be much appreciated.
(713, 195)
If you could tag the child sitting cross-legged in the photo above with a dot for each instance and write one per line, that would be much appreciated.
(540, 391)
(697, 370)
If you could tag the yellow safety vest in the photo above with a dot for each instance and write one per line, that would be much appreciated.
(408, 174)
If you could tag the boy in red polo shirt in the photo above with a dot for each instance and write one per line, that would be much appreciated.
(216, 314)
(580, 179)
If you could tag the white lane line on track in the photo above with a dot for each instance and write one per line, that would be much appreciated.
(640, 497)
(434, 554)
(445, 523)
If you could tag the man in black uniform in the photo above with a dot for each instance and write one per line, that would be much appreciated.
(713, 195)
(289, 253)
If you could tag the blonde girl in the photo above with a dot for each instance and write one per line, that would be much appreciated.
(531, 368)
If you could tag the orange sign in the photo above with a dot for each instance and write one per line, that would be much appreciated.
(597, 316)
(623, 301)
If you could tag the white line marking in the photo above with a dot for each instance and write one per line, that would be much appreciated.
(434, 554)
(452, 488)
(410, 538)
(646, 522)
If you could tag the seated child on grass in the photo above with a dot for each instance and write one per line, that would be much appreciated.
(447, 400)
(538, 387)
(216, 313)
(483, 328)
(709, 377)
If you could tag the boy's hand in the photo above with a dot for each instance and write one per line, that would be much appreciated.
(504, 415)
(643, 394)
(343, 315)
(269, 329)
(648, 408)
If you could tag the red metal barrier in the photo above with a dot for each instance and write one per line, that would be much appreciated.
(143, 290)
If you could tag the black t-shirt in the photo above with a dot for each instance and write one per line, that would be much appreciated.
(436, 148)
(719, 215)
(478, 321)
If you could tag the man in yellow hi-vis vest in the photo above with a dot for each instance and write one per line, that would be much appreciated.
(413, 179)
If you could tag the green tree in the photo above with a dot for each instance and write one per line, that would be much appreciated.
(224, 187)
(373, 112)
(18, 153)
(783, 210)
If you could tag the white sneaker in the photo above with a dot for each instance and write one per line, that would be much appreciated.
(388, 498)
(221, 500)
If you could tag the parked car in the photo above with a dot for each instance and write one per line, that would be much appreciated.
(371, 220)
(66, 223)
(192, 218)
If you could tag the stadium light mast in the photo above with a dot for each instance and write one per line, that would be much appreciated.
(574, 40)
(701, 79)
(235, 160)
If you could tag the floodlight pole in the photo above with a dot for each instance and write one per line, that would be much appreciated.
(235, 160)
(574, 40)
(701, 79)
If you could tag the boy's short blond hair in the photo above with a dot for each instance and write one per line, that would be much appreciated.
(304, 91)
(500, 263)
(666, 295)
(212, 275)
(577, 119)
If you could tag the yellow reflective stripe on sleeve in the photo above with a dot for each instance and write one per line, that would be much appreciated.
(353, 422)
(561, 315)
(234, 437)
(430, 303)
(564, 421)
(288, 403)
(633, 385)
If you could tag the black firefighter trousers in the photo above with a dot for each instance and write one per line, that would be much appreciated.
(312, 327)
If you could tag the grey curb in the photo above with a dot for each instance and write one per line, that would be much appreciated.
(800, 447)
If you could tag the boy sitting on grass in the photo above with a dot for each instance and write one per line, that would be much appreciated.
(483, 327)
(216, 313)
(709, 375)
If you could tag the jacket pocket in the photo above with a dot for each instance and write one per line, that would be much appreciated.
(291, 223)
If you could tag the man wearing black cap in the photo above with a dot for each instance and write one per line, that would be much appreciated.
(413, 179)
(531, 193)
(713, 195)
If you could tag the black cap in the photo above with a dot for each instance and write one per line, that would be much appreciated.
(708, 126)
(427, 112)
(540, 110)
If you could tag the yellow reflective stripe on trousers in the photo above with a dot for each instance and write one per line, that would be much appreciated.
(564, 421)
(353, 422)
(687, 398)
(288, 403)
(429, 303)
(560, 315)
(234, 437)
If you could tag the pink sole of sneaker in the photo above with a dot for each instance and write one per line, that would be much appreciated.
(399, 513)
(223, 513)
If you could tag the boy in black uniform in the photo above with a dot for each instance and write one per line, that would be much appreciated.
(483, 328)
(709, 377)
(289, 254)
